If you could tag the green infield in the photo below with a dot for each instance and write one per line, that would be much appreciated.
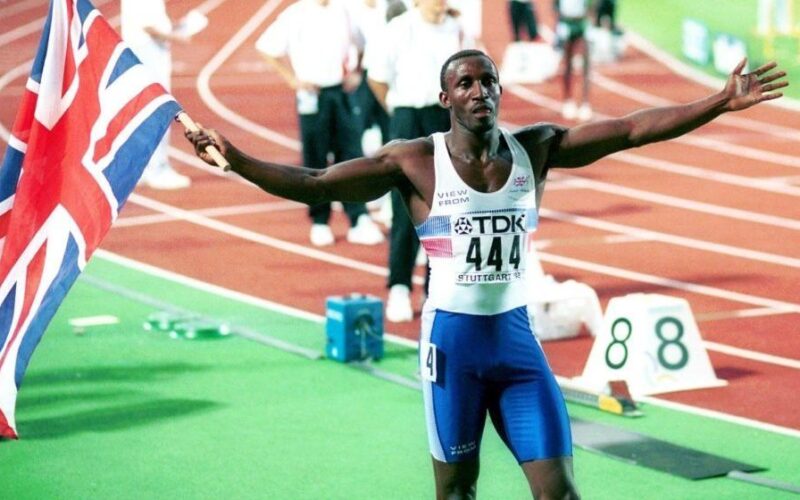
(660, 22)
(118, 411)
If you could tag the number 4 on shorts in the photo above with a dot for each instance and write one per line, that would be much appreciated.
(427, 361)
(652, 342)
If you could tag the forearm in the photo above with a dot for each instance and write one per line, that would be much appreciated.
(358, 180)
(659, 124)
(286, 181)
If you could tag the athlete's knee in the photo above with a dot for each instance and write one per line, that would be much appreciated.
(456, 481)
(566, 491)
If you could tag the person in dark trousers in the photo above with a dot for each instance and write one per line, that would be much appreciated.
(402, 73)
(316, 37)
(573, 17)
(473, 195)
(523, 20)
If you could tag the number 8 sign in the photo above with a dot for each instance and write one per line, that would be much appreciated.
(652, 342)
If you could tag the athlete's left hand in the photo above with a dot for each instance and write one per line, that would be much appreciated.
(745, 90)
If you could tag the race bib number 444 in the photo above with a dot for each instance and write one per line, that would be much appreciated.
(490, 247)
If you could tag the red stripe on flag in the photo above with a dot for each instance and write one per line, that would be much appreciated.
(123, 118)
(31, 286)
(6, 432)
(22, 124)
(4, 220)
(69, 56)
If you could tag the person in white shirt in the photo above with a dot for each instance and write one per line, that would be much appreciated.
(403, 73)
(317, 38)
(147, 29)
(369, 19)
(473, 193)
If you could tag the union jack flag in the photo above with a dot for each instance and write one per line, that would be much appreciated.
(89, 121)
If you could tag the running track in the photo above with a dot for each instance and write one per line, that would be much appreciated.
(712, 217)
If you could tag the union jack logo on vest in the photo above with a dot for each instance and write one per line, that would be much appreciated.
(89, 121)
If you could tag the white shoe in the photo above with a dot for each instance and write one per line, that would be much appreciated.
(166, 179)
(365, 232)
(398, 305)
(321, 235)
(569, 110)
(585, 112)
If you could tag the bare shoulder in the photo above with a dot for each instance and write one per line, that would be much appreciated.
(410, 148)
(539, 133)
(408, 154)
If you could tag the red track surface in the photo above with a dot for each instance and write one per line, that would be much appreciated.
(757, 390)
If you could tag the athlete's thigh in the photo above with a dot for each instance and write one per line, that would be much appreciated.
(527, 406)
(455, 402)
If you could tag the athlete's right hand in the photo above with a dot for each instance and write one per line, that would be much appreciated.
(203, 138)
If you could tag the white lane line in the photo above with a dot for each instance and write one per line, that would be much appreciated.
(730, 120)
(592, 240)
(298, 313)
(683, 203)
(752, 355)
(679, 67)
(729, 148)
(260, 239)
(32, 27)
(646, 234)
(21, 7)
(772, 184)
(11, 75)
(670, 283)
(383, 272)
(757, 424)
(204, 81)
(755, 312)
(227, 211)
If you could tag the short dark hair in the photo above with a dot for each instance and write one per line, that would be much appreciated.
(460, 55)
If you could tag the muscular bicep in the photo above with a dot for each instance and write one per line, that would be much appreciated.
(362, 179)
(587, 143)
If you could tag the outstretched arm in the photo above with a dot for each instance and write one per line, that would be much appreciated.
(584, 144)
(362, 179)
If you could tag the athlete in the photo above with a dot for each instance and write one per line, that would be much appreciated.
(472, 194)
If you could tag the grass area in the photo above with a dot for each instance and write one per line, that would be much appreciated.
(118, 412)
(660, 22)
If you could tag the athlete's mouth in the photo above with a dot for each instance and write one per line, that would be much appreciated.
(482, 108)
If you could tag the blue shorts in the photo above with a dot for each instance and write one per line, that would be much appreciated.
(473, 365)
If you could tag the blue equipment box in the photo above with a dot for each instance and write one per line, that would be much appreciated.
(354, 327)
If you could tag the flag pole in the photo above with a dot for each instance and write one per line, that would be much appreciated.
(212, 151)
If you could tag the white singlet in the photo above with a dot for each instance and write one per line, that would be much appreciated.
(477, 242)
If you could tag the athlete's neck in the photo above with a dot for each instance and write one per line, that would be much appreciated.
(471, 146)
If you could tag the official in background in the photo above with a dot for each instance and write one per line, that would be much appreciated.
(148, 31)
(313, 48)
(404, 72)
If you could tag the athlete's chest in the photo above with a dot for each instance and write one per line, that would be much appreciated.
(485, 176)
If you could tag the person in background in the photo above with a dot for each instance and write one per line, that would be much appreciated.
(473, 193)
(148, 31)
(523, 20)
(571, 32)
(403, 71)
(317, 39)
(607, 16)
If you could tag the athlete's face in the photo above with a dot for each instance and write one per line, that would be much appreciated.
(473, 93)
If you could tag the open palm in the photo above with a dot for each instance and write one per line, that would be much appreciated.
(749, 89)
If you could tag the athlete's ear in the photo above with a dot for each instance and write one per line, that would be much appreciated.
(444, 99)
